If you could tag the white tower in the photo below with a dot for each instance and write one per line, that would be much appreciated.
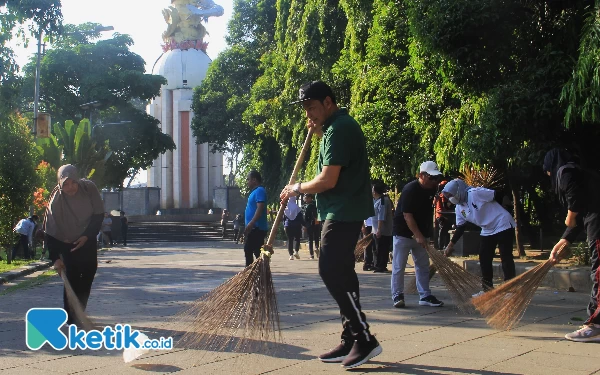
(187, 176)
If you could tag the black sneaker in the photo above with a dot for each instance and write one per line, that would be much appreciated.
(368, 268)
(430, 301)
(361, 352)
(399, 301)
(338, 353)
(381, 270)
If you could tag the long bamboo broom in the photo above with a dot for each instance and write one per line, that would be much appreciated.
(242, 312)
(74, 303)
(361, 246)
(460, 283)
(504, 306)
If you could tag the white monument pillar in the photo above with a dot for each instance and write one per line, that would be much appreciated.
(188, 175)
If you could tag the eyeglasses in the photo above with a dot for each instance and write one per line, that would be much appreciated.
(433, 178)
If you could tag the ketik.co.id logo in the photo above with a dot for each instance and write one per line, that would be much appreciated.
(43, 326)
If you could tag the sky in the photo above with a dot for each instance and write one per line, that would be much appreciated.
(142, 20)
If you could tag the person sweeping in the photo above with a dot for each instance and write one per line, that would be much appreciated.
(478, 206)
(343, 201)
(576, 188)
(73, 219)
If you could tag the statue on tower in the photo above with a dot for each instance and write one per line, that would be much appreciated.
(184, 23)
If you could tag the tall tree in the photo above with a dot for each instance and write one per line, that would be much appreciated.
(220, 102)
(80, 70)
(17, 174)
(40, 16)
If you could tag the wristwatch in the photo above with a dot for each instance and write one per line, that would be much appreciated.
(296, 188)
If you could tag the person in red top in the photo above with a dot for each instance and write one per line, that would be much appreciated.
(442, 224)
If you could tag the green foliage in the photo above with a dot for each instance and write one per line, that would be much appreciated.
(50, 151)
(105, 71)
(80, 149)
(581, 253)
(222, 99)
(582, 92)
(39, 16)
(133, 145)
(473, 82)
(17, 174)
(81, 69)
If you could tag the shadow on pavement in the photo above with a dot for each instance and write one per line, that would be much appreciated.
(396, 368)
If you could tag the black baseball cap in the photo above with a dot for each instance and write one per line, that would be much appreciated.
(315, 90)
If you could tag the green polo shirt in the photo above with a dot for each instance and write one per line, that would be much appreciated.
(343, 144)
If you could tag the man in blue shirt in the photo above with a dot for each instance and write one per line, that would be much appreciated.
(255, 217)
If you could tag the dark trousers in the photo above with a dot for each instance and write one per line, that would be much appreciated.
(443, 236)
(314, 235)
(253, 243)
(80, 276)
(236, 234)
(124, 235)
(592, 226)
(293, 238)
(487, 249)
(223, 230)
(80, 268)
(336, 268)
(24, 242)
(383, 245)
(369, 250)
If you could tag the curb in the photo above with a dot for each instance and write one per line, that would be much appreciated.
(558, 278)
(23, 271)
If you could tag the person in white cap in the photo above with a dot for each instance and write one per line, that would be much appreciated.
(412, 226)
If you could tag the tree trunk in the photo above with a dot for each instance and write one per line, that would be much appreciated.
(517, 212)
(132, 178)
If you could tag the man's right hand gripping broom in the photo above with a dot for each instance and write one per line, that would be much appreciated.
(560, 251)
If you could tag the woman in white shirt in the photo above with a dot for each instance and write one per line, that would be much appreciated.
(478, 206)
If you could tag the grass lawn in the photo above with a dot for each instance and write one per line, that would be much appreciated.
(30, 283)
(15, 264)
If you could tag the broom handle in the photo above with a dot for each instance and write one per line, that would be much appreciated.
(299, 162)
(562, 252)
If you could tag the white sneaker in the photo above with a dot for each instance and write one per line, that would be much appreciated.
(480, 293)
(297, 255)
(291, 257)
(587, 333)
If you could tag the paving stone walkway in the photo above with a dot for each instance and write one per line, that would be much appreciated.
(146, 286)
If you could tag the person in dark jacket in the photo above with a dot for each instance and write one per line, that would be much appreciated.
(73, 218)
(577, 191)
(292, 223)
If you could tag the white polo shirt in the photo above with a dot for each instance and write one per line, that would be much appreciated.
(482, 210)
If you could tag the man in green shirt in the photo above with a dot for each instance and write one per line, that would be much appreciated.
(343, 193)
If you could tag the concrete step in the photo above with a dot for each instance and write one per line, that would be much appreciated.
(152, 232)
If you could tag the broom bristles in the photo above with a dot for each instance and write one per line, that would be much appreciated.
(504, 306)
(240, 313)
(361, 247)
(460, 283)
